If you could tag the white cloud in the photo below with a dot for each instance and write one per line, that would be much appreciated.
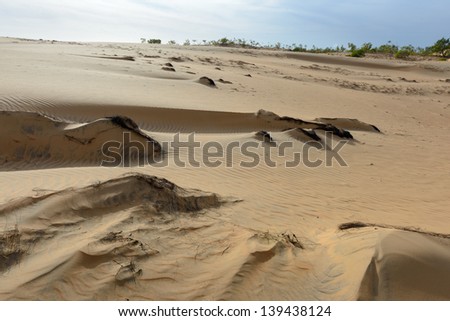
(195, 18)
(322, 22)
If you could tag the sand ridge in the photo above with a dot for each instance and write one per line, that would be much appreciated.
(38, 141)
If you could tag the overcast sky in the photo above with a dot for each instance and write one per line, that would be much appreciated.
(319, 22)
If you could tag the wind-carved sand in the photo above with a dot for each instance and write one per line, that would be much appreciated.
(70, 229)
(34, 140)
(79, 220)
(37, 141)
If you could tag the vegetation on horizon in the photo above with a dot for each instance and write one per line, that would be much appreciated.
(151, 41)
(440, 48)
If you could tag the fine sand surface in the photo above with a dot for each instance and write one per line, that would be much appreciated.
(364, 214)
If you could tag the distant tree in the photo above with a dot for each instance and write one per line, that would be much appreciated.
(241, 43)
(299, 48)
(187, 42)
(171, 42)
(351, 46)
(224, 42)
(422, 51)
(367, 47)
(441, 47)
(154, 41)
(360, 52)
(388, 48)
(143, 40)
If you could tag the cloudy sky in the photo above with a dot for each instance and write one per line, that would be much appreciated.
(311, 22)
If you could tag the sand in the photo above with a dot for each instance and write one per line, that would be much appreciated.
(370, 222)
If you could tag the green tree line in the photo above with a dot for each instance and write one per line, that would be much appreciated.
(440, 48)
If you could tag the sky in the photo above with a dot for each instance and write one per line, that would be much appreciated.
(309, 22)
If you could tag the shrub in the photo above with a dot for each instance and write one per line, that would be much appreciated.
(154, 41)
(225, 42)
(299, 49)
(402, 54)
(405, 52)
(358, 53)
(11, 250)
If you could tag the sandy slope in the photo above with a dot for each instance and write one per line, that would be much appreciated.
(376, 229)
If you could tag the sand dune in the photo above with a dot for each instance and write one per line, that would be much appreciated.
(346, 61)
(370, 222)
(34, 141)
(157, 119)
(407, 266)
(68, 217)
